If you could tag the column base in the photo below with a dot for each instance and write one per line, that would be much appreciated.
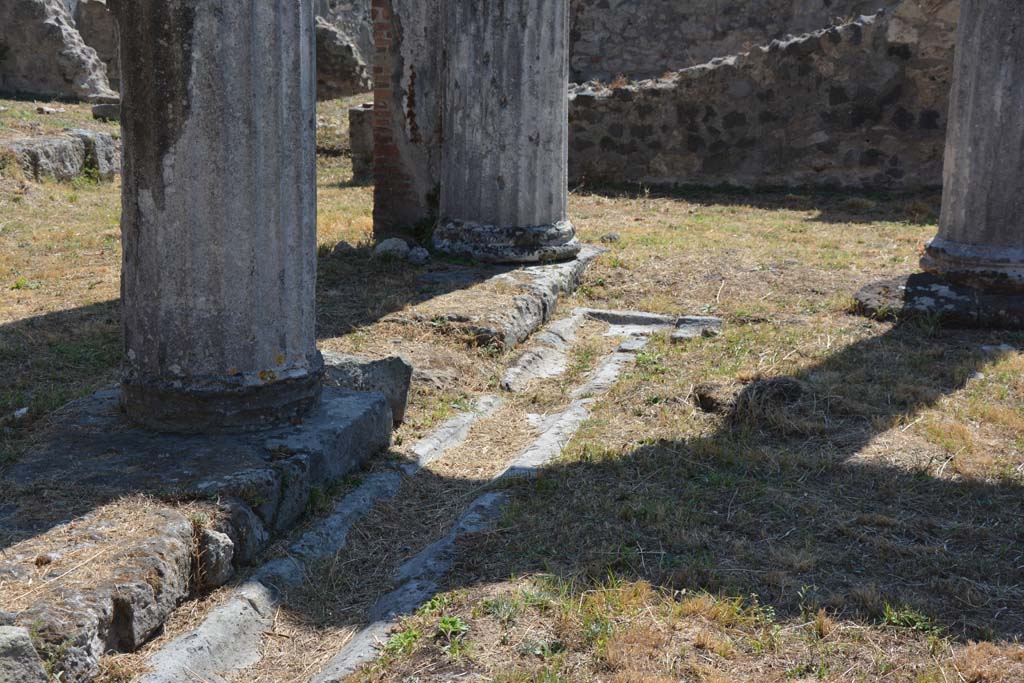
(221, 407)
(987, 268)
(496, 244)
(949, 304)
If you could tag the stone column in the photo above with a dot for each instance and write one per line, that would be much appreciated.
(981, 234)
(504, 159)
(219, 212)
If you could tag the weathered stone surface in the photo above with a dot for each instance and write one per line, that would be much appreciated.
(107, 112)
(861, 105)
(340, 67)
(216, 556)
(219, 267)
(102, 153)
(230, 637)
(354, 19)
(392, 248)
(504, 152)
(546, 357)
(953, 305)
(42, 53)
(262, 481)
(228, 640)
(388, 376)
(98, 28)
(49, 158)
(19, 662)
(981, 231)
(646, 39)
(360, 130)
(106, 457)
(76, 624)
(541, 286)
(67, 157)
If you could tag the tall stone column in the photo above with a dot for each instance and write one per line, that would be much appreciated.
(504, 159)
(981, 234)
(219, 212)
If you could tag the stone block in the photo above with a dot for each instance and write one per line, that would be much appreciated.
(216, 557)
(102, 153)
(360, 130)
(19, 662)
(341, 69)
(389, 376)
(49, 158)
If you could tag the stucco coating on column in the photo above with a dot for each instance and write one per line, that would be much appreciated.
(981, 234)
(219, 212)
(504, 162)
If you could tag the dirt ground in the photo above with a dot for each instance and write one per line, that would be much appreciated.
(810, 496)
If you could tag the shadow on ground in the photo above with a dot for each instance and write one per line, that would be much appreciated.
(774, 503)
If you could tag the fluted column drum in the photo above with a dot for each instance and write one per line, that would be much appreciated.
(504, 163)
(981, 234)
(219, 212)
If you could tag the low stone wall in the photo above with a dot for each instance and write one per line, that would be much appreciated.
(863, 105)
(64, 158)
(647, 38)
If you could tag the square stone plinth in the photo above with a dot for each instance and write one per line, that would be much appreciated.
(105, 527)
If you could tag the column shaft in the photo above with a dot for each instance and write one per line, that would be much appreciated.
(505, 150)
(219, 212)
(981, 235)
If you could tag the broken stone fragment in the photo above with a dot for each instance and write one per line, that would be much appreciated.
(19, 662)
(393, 248)
(106, 112)
(418, 256)
(248, 534)
(340, 67)
(44, 54)
(389, 376)
(216, 554)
